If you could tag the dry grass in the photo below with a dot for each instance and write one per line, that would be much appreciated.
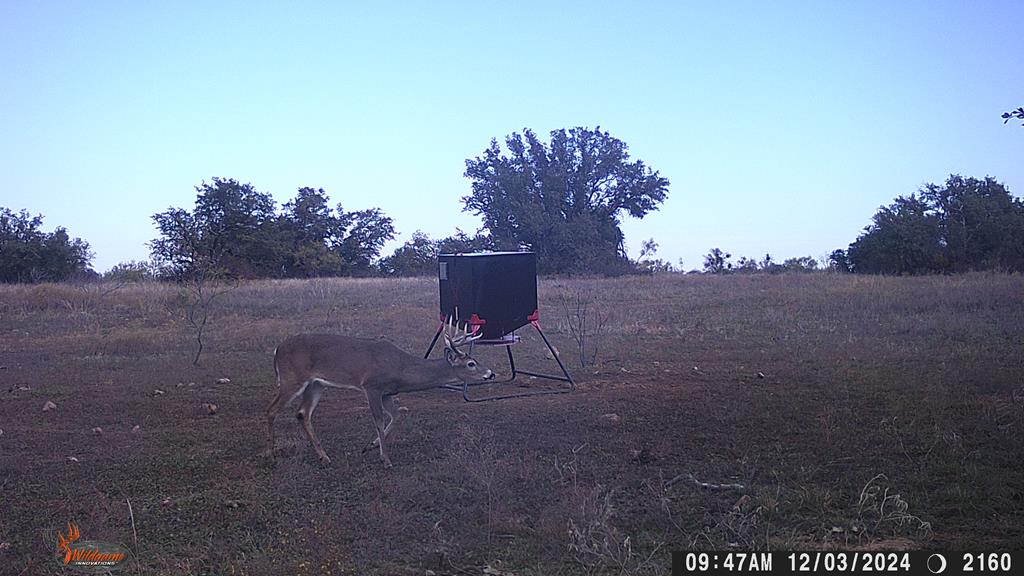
(854, 411)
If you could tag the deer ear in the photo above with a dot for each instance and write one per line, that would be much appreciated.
(450, 355)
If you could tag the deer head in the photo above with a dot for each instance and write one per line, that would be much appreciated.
(465, 367)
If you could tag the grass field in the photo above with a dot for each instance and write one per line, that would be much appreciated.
(820, 411)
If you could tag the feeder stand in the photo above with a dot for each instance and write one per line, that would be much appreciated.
(498, 291)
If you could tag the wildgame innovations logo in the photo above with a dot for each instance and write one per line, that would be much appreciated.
(89, 555)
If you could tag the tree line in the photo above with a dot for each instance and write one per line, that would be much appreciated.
(965, 224)
(563, 199)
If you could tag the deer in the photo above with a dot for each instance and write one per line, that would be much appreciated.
(308, 364)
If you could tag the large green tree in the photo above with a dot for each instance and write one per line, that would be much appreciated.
(235, 231)
(230, 232)
(904, 238)
(963, 224)
(563, 199)
(310, 229)
(982, 224)
(27, 254)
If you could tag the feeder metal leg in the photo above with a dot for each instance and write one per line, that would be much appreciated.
(433, 342)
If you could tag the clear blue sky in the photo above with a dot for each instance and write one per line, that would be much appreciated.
(782, 126)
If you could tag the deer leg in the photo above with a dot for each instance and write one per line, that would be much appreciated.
(271, 415)
(391, 411)
(377, 411)
(310, 398)
(280, 402)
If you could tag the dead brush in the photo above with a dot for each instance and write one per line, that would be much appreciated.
(880, 508)
(595, 542)
(585, 321)
(475, 454)
(593, 539)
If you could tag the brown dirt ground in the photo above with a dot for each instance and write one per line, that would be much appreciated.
(867, 413)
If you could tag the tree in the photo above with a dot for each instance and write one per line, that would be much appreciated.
(746, 265)
(418, 256)
(562, 200)
(28, 254)
(717, 262)
(368, 232)
(309, 229)
(980, 223)
(130, 271)
(1018, 114)
(964, 224)
(234, 231)
(229, 232)
(461, 242)
(647, 264)
(800, 264)
(904, 238)
(839, 261)
(179, 252)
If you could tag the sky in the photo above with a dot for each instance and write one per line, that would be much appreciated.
(782, 126)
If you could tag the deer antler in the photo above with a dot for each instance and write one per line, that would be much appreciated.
(65, 543)
(456, 336)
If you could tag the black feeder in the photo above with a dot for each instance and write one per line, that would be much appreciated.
(494, 294)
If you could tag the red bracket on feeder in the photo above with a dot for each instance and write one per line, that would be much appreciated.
(534, 318)
(475, 322)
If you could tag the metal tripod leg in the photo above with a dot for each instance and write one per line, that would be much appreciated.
(440, 328)
(512, 365)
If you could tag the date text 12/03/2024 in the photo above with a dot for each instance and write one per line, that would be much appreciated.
(818, 562)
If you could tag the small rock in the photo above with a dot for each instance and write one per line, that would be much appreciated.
(611, 417)
(760, 374)
(136, 428)
(403, 408)
(5, 545)
(231, 503)
(72, 458)
(159, 392)
(97, 431)
(223, 380)
(49, 406)
(210, 408)
(429, 573)
(1, 431)
(166, 502)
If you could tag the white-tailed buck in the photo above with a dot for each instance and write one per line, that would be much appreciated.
(309, 363)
